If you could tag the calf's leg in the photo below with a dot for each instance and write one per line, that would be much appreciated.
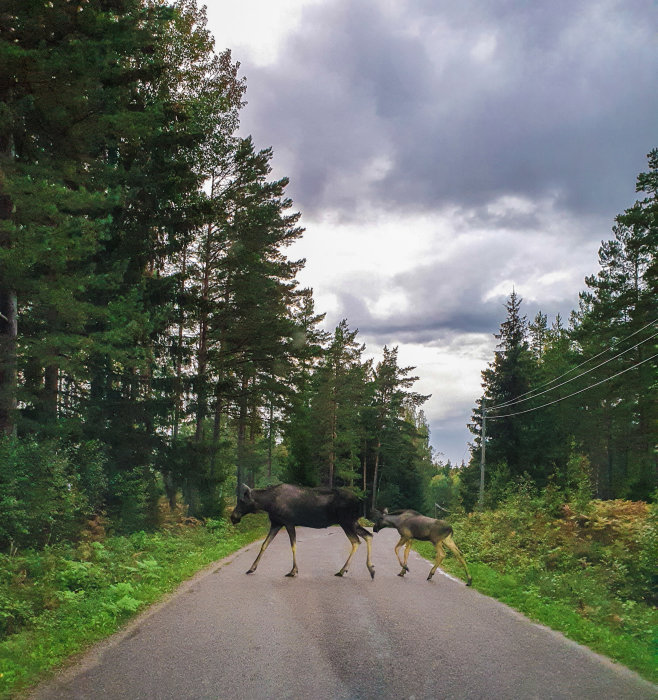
(440, 556)
(450, 543)
(407, 549)
(403, 542)
(270, 536)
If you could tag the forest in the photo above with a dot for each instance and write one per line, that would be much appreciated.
(157, 347)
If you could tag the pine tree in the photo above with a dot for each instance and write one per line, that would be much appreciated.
(390, 400)
(620, 304)
(515, 435)
(309, 341)
(250, 326)
(339, 386)
(63, 97)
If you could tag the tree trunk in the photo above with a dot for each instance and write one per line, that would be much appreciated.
(269, 440)
(216, 431)
(242, 434)
(364, 464)
(178, 398)
(50, 391)
(170, 489)
(8, 320)
(375, 471)
(332, 447)
(201, 393)
(8, 335)
(202, 357)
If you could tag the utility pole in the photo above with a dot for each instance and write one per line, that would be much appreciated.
(483, 445)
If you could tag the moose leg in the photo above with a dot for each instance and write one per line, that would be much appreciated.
(402, 542)
(450, 543)
(367, 536)
(293, 546)
(407, 549)
(352, 537)
(440, 556)
(270, 536)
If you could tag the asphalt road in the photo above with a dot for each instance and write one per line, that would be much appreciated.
(228, 635)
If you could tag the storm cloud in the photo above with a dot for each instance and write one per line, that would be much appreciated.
(421, 105)
(444, 153)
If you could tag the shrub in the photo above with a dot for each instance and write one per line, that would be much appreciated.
(133, 500)
(14, 612)
(40, 496)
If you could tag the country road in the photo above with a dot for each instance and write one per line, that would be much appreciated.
(228, 635)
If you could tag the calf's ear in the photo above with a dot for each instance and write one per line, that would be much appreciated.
(246, 491)
(385, 511)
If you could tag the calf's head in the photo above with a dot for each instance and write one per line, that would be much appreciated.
(377, 518)
(245, 504)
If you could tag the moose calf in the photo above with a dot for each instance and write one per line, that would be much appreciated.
(414, 526)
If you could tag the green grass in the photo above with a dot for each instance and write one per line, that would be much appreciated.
(635, 647)
(57, 603)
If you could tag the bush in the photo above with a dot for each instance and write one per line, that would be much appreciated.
(40, 496)
(133, 500)
(642, 570)
(90, 462)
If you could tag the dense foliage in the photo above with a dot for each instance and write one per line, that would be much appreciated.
(583, 395)
(586, 568)
(153, 335)
(156, 347)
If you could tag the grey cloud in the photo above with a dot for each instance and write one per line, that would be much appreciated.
(465, 291)
(565, 104)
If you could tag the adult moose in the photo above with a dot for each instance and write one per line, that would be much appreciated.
(289, 506)
(413, 526)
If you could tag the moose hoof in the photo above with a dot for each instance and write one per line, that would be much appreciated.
(469, 582)
(291, 574)
(402, 573)
(251, 571)
(429, 578)
(339, 573)
(372, 572)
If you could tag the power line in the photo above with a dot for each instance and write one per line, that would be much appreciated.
(580, 391)
(578, 376)
(573, 369)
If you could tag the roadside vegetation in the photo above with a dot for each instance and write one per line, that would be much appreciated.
(157, 345)
(585, 569)
(56, 602)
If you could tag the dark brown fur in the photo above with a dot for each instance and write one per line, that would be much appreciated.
(288, 506)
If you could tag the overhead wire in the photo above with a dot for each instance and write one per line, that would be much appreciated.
(580, 391)
(578, 376)
(589, 359)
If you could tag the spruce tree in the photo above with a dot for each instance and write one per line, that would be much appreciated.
(511, 444)
(615, 323)
(390, 400)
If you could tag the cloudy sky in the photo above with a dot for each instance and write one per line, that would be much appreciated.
(444, 153)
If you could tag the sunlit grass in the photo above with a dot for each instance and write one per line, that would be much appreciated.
(534, 595)
(88, 594)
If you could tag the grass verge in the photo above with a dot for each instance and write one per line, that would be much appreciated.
(87, 593)
(636, 651)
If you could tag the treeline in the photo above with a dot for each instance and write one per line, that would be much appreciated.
(575, 408)
(153, 336)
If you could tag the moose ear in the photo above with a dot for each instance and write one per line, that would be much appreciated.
(385, 511)
(246, 491)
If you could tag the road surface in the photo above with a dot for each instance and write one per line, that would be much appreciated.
(228, 635)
